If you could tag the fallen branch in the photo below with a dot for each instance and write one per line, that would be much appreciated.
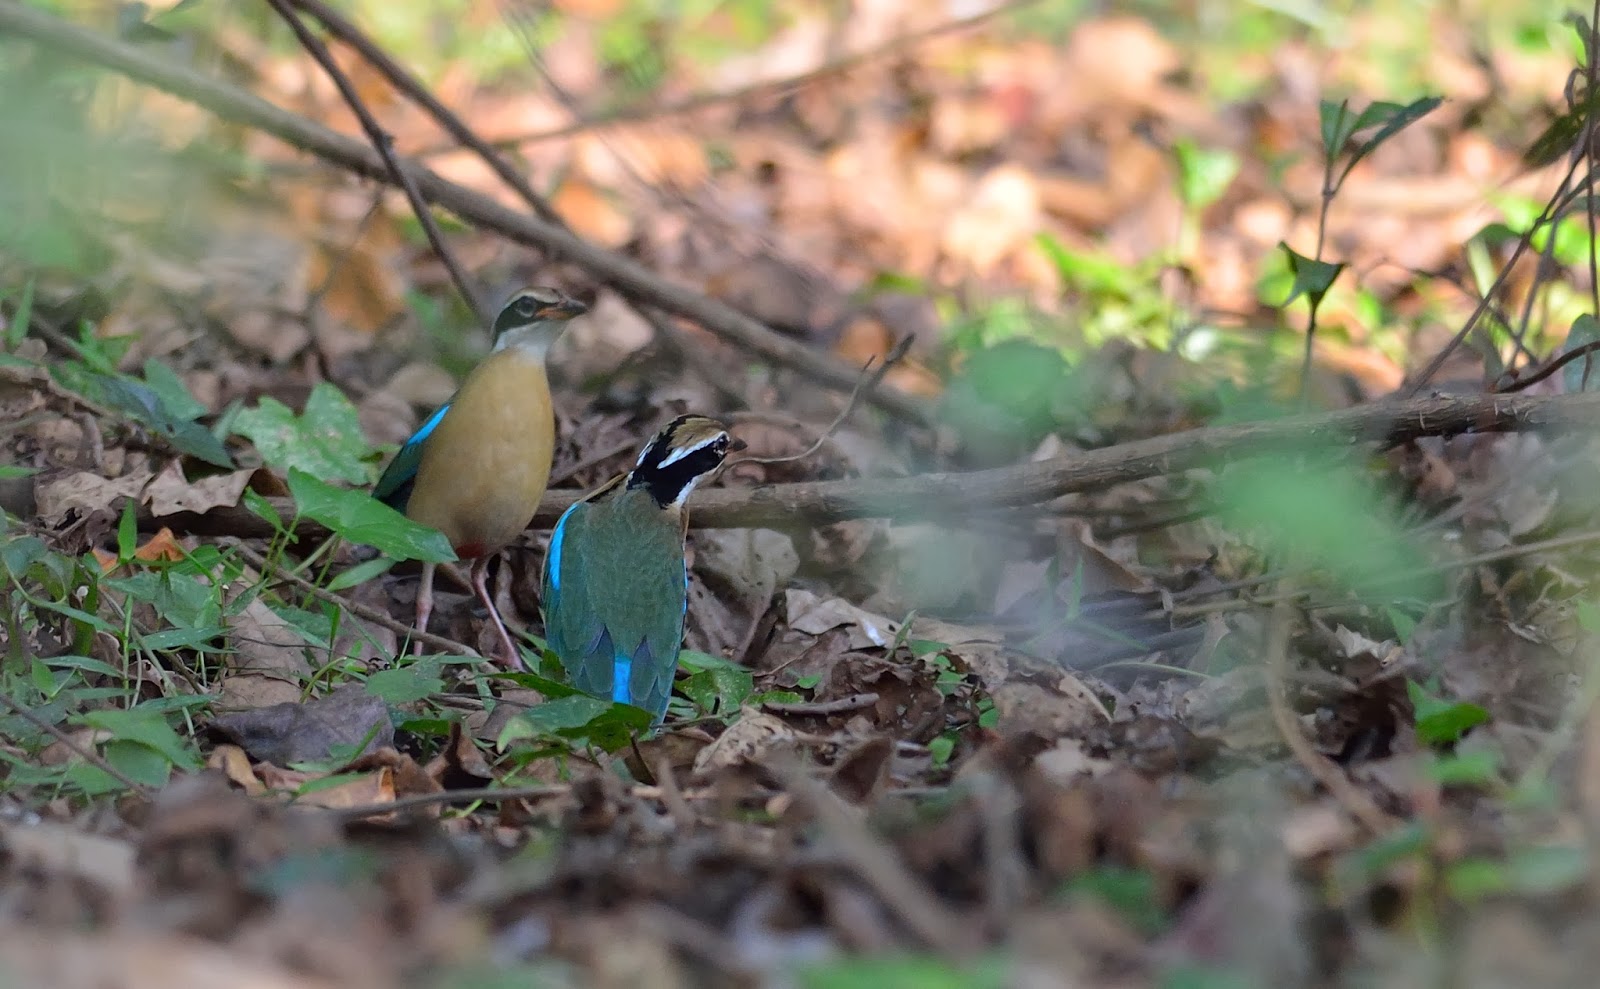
(625, 275)
(953, 495)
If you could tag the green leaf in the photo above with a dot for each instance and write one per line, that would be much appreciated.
(145, 728)
(261, 508)
(1547, 869)
(776, 697)
(10, 472)
(1203, 174)
(1130, 892)
(21, 318)
(139, 762)
(361, 573)
(175, 395)
(1406, 842)
(18, 553)
(565, 712)
(694, 661)
(905, 972)
(406, 684)
(718, 689)
(1312, 278)
(1338, 123)
(1480, 768)
(942, 748)
(1394, 118)
(183, 638)
(1558, 139)
(1404, 624)
(128, 531)
(1582, 374)
(1190, 975)
(603, 723)
(325, 441)
(1442, 722)
(145, 405)
(1325, 512)
(360, 518)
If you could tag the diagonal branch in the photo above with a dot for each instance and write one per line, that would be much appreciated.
(341, 28)
(384, 143)
(625, 275)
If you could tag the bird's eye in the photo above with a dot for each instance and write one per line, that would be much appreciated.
(526, 307)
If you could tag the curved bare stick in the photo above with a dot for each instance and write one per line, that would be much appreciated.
(868, 382)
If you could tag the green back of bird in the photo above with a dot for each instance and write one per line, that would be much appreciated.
(614, 596)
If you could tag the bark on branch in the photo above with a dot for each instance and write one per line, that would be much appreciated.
(949, 496)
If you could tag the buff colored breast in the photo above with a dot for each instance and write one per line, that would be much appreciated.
(486, 464)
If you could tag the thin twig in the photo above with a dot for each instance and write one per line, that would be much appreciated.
(484, 795)
(384, 143)
(373, 615)
(855, 702)
(863, 387)
(768, 87)
(877, 865)
(1420, 380)
(411, 87)
(627, 276)
(593, 460)
(1354, 800)
(92, 758)
(1550, 368)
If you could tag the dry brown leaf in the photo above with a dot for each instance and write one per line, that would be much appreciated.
(1070, 709)
(311, 731)
(747, 740)
(235, 765)
(136, 960)
(1067, 762)
(83, 493)
(741, 569)
(54, 849)
(170, 492)
(368, 788)
(814, 615)
(1002, 216)
(268, 664)
(591, 214)
(161, 546)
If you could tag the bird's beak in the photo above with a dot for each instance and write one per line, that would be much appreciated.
(735, 444)
(565, 309)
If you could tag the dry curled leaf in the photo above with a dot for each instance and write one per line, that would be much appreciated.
(748, 740)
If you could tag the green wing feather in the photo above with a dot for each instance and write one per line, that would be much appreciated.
(614, 596)
(394, 487)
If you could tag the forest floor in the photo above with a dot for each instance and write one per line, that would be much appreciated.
(1103, 643)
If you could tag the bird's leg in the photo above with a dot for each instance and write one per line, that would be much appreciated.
(512, 660)
(424, 605)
